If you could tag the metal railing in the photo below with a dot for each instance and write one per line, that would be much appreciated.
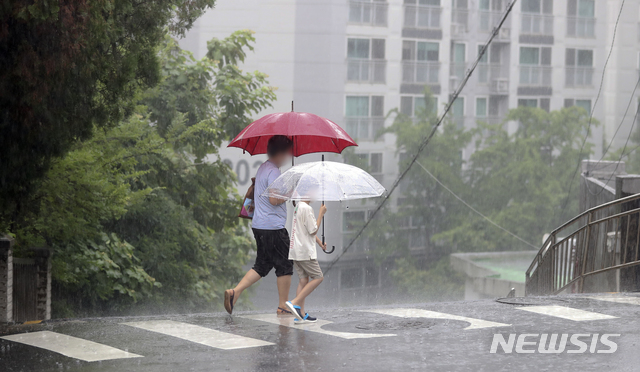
(537, 24)
(488, 20)
(373, 13)
(489, 72)
(535, 75)
(422, 16)
(422, 72)
(364, 128)
(582, 27)
(579, 76)
(367, 70)
(598, 241)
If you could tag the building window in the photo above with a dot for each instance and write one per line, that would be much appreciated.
(414, 106)
(413, 226)
(368, 12)
(457, 112)
(535, 66)
(351, 222)
(460, 16)
(364, 116)
(481, 107)
(543, 103)
(422, 14)
(579, 67)
(370, 162)
(366, 60)
(420, 62)
(458, 60)
(490, 14)
(580, 18)
(351, 278)
(537, 17)
(582, 103)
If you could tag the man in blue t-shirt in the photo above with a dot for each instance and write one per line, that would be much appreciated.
(269, 219)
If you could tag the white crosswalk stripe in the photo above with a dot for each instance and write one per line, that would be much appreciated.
(200, 335)
(618, 299)
(419, 313)
(287, 321)
(566, 313)
(72, 347)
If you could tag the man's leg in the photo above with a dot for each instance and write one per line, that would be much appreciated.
(284, 284)
(250, 278)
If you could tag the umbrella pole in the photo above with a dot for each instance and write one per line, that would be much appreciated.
(323, 204)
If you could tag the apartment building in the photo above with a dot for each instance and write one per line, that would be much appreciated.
(354, 60)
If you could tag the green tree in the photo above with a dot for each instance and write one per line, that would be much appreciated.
(145, 213)
(521, 180)
(68, 67)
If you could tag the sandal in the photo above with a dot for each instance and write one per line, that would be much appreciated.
(229, 295)
(282, 311)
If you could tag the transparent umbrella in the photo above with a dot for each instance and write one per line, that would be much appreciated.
(326, 181)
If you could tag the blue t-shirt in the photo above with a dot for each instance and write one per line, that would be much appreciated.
(266, 215)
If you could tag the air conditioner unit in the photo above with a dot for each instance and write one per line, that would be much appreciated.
(504, 34)
(501, 86)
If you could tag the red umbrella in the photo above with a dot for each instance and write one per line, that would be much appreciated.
(310, 133)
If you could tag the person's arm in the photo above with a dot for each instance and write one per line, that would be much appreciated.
(276, 201)
(319, 241)
(323, 210)
(270, 178)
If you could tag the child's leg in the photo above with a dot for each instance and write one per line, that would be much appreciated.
(301, 284)
(306, 290)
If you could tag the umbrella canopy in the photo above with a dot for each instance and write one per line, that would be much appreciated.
(324, 180)
(310, 133)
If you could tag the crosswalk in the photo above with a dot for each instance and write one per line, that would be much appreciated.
(91, 351)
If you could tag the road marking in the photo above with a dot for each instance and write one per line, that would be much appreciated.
(200, 335)
(620, 300)
(566, 313)
(418, 313)
(72, 347)
(287, 321)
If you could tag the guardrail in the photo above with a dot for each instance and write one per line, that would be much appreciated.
(373, 13)
(367, 70)
(422, 16)
(420, 72)
(600, 240)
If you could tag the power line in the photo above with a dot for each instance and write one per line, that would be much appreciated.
(475, 210)
(426, 140)
(586, 136)
(635, 118)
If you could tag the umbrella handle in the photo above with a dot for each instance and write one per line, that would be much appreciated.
(333, 248)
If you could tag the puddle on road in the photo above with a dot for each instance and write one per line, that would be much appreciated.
(396, 325)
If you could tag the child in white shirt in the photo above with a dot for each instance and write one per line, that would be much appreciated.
(302, 251)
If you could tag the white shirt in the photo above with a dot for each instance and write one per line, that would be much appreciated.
(303, 238)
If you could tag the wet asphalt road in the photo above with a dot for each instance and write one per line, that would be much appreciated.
(419, 343)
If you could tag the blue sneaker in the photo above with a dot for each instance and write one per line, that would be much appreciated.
(307, 319)
(295, 309)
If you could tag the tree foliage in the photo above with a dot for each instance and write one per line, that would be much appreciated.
(519, 178)
(68, 67)
(145, 212)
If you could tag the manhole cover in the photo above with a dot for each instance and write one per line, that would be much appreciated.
(395, 325)
(529, 300)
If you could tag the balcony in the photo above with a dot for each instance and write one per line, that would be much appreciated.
(488, 20)
(535, 75)
(581, 27)
(372, 71)
(495, 75)
(459, 22)
(422, 16)
(420, 72)
(537, 24)
(579, 76)
(368, 13)
(364, 128)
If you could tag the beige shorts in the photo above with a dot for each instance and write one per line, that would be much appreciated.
(308, 269)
